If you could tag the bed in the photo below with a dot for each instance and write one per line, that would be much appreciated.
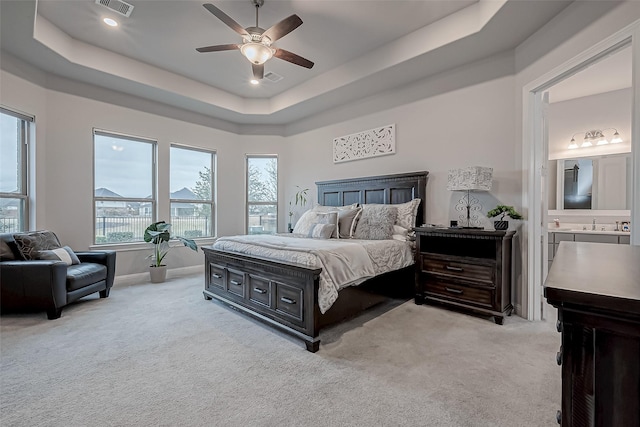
(285, 295)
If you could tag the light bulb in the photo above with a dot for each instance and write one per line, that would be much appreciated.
(110, 22)
(254, 81)
(257, 53)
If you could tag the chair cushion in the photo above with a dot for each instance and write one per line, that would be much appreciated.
(84, 274)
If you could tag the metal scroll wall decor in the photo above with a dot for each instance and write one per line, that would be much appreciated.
(370, 143)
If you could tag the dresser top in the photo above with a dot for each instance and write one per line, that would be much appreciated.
(600, 275)
(465, 231)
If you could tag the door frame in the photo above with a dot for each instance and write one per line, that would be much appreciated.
(534, 163)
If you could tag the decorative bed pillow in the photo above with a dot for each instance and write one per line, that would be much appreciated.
(347, 217)
(322, 231)
(375, 223)
(407, 213)
(30, 243)
(310, 218)
(60, 254)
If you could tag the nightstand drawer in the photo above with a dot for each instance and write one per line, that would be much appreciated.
(459, 292)
(460, 270)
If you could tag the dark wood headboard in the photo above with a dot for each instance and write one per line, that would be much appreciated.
(382, 189)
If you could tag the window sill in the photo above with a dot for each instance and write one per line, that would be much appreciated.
(138, 246)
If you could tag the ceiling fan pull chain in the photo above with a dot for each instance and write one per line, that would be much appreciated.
(257, 7)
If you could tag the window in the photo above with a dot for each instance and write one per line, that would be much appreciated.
(124, 183)
(262, 194)
(14, 198)
(191, 186)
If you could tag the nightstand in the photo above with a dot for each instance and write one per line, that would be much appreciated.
(468, 269)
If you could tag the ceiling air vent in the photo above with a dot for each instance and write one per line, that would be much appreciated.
(118, 6)
(272, 77)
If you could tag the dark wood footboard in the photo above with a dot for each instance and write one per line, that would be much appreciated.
(282, 295)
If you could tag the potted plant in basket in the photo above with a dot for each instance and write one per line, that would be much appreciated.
(299, 198)
(503, 211)
(159, 233)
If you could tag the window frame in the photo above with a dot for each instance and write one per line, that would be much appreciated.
(154, 174)
(214, 174)
(26, 124)
(248, 203)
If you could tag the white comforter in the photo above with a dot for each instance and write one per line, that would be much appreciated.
(343, 262)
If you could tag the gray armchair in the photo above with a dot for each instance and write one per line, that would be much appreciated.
(49, 285)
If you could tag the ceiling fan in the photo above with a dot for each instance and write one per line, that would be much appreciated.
(257, 42)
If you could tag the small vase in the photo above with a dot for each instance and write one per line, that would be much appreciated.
(158, 274)
(500, 225)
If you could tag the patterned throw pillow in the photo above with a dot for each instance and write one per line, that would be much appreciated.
(61, 254)
(407, 213)
(375, 223)
(347, 219)
(30, 243)
(310, 218)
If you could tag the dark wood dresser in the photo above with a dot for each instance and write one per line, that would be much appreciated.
(468, 269)
(596, 289)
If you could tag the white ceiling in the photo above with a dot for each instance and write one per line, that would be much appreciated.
(611, 73)
(360, 48)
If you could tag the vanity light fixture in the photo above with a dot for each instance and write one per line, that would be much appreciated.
(594, 137)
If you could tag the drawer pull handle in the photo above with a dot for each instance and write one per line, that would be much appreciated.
(260, 291)
(448, 267)
(559, 357)
(559, 326)
(455, 291)
(217, 276)
(235, 282)
(559, 417)
(288, 300)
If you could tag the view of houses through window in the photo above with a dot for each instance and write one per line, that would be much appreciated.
(14, 134)
(192, 209)
(262, 194)
(124, 183)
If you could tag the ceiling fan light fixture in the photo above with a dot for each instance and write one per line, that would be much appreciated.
(256, 53)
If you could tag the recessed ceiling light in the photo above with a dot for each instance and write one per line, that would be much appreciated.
(254, 81)
(110, 22)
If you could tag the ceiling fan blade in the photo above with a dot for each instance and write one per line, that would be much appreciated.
(283, 28)
(226, 19)
(258, 71)
(293, 58)
(217, 48)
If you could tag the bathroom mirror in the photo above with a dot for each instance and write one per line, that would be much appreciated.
(590, 183)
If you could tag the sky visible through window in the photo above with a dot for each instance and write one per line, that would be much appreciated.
(186, 166)
(9, 160)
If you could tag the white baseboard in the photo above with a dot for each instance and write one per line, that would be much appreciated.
(140, 278)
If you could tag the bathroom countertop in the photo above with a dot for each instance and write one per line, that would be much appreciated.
(580, 231)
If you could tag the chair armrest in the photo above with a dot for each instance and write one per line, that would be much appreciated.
(106, 257)
(36, 283)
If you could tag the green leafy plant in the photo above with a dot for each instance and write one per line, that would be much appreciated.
(504, 211)
(159, 234)
(300, 198)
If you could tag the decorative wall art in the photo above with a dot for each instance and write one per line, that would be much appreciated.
(370, 143)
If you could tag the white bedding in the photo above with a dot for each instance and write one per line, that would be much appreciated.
(344, 262)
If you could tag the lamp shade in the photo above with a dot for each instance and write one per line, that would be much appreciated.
(473, 178)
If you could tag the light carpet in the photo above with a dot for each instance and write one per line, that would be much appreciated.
(160, 355)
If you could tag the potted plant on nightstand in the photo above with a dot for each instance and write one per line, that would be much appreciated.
(299, 198)
(503, 211)
(159, 234)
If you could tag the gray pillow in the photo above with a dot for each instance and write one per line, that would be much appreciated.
(30, 243)
(322, 231)
(346, 221)
(375, 223)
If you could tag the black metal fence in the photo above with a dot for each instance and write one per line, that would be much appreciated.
(118, 229)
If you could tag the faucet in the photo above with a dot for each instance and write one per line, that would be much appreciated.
(593, 224)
